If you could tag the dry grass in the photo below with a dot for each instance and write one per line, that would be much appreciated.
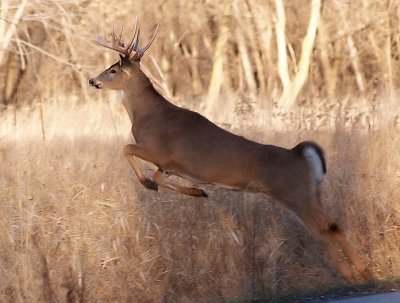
(77, 226)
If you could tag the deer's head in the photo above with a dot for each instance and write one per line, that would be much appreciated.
(116, 76)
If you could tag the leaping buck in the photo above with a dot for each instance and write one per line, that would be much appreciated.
(184, 143)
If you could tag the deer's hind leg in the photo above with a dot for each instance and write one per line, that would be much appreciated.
(351, 253)
(320, 231)
(332, 239)
(160, 177)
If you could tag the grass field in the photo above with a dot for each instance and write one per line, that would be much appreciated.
(77, 226)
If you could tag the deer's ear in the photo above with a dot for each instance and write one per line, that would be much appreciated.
(124, 63)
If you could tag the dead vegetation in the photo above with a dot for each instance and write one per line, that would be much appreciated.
(77, 226)
(250, 48)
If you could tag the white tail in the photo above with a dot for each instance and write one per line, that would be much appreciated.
(316, 160)
(184, 143)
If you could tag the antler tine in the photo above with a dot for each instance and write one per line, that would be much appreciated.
(130, 45)
(114, 37)
(140, 51)
(105, 35)
(136, 46)
(114, 44)
(151, 40)
(120, 34)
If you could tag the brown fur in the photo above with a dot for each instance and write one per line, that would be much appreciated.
(184, 143)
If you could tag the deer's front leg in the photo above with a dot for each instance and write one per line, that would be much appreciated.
(130, 151)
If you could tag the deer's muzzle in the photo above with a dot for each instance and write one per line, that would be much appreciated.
(93, 83)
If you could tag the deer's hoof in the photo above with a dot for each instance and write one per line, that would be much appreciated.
(196, 192)
(150, 184)
(367, 274)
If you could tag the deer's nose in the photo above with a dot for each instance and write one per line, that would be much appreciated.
(91, 82)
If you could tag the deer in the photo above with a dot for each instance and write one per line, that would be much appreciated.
(184, 143)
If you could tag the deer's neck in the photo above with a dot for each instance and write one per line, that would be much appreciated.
(141, 100)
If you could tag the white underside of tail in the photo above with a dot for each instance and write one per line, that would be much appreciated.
(315, 162)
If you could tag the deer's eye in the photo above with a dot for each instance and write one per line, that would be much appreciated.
(113, 71)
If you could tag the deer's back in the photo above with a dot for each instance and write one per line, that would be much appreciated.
(188, 144)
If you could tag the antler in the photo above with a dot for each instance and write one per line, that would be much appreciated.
(139, 52)
(126, 50)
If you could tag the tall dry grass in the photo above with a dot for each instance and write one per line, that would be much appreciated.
(76, 226)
